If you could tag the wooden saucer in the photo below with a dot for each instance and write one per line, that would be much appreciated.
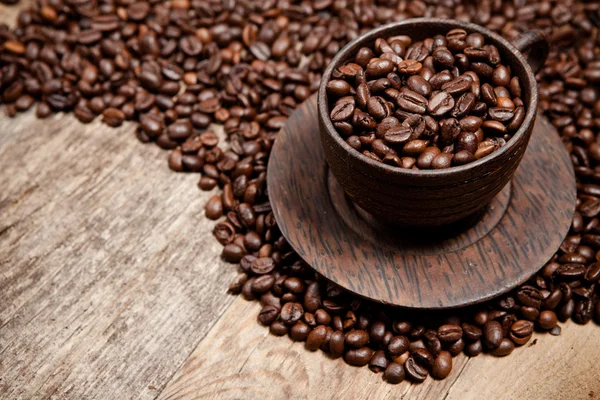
(463, 264)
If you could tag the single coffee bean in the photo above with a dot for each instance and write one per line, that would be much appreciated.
(419, 85)
(214, 208)
(268, 315)
(520, 332)
(398, 136)
(492, 334)
(423, 357)
(442, 365)
(394, 373)
(113, 117)
(493, 128)
(440, 103)
(278, 328)
(414, 371)
(291, 313)
(471, 332)
(412, 102)
(357, 338)
(504, 348)
(338, 88)
(358, 357)
(414, 148)
(316, 337)
(336, 344)
(456, 348)
(458, 85)
(378, 361)
(398, 345)
(379, 67)
(263, 283)
(232, 253)
(262, 265)
(342, 111)
(449, 333)
(299, 331)
(547, 319)
(473, 349)
(466, 141)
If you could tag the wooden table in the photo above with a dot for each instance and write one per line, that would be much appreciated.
(111, 287)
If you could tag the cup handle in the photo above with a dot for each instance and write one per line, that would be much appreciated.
(538, 45)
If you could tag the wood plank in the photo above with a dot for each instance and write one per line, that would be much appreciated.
(238, 358)
(109, 272)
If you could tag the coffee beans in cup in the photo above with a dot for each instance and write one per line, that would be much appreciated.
(444, 101)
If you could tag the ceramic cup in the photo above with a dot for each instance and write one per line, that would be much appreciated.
(423, 198)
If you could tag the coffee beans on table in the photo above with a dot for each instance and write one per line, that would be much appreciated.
(443, 101)
(180, 68)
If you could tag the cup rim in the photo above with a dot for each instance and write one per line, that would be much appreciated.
(531, 108)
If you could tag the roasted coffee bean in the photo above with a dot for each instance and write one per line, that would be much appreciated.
(492, 334)
(268, 315)
(458, 85)
(398, 136)
(547, 319)
(316, 337)
(504, 348)
(394, 373)
(440, 103)
(473, 349)
(299, 331)
(378, 67)
(378, 362)
(471, 332)
(419, 85)
(529, 296)
(263, 283)
(233, 253)
(520, 332)
(442, 161)
(291, 313)
(449, 333)
(456, 348)
(263, 265)
(442, 365)
(214, 208)
(357, 338)
(358, 357)
(398, 345)
(336, 344)
(412, 102)
(414, 371)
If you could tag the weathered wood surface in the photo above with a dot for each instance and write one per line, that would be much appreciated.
(109, 273)
(110, 288)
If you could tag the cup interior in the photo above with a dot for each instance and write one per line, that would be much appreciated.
(419, 29)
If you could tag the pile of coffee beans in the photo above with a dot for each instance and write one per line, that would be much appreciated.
(443, 101)
(177, 67)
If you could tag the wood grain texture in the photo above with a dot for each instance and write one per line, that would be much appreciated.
(420, 269)
(245, 361)
(108, 280)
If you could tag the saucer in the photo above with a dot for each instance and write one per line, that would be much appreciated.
(465, 263)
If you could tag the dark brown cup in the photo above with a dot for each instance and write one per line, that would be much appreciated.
(432, 197)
